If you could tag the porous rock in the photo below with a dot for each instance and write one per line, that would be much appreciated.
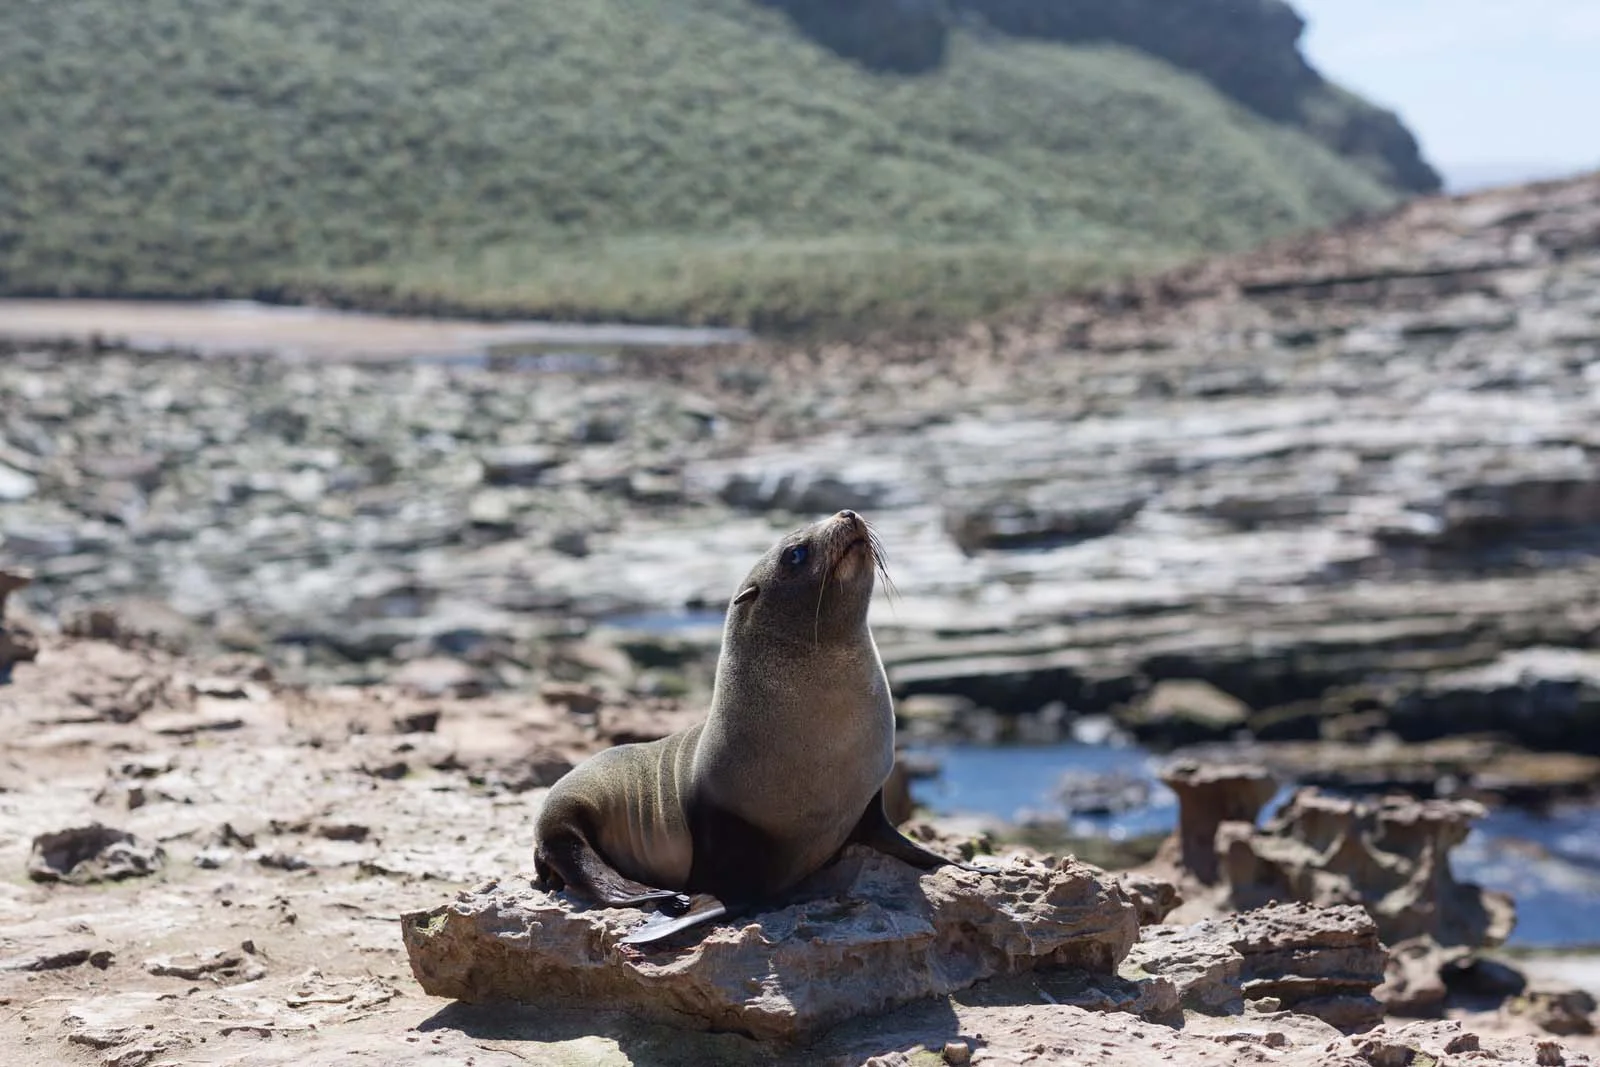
(1422, 1043)
(1319, 961)
(1391, 855)
(869, 934)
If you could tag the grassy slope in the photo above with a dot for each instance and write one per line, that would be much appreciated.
(689, 160)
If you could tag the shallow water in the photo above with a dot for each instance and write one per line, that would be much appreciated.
(1549, 864)
(1014, 783)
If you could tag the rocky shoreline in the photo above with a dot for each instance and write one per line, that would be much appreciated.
(210, 866)
(1348, 482)
(304, 640)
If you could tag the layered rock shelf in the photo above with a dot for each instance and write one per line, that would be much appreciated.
(1359, 461)
(1322, 962)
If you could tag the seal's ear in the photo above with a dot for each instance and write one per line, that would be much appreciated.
(748, 593)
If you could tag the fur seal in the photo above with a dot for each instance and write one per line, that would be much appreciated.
(787, 768)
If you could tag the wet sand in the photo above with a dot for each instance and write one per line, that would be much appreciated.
(223, 328)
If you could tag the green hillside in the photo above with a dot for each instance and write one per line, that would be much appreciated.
(677, 160)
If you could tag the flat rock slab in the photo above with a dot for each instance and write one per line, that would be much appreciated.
(870, 935)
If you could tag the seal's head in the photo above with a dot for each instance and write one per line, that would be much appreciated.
(814, 584)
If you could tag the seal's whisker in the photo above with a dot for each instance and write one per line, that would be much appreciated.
(880, 562)
(816, 620)
(891, 590)
(879, 553)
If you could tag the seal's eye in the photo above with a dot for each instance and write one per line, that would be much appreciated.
(795, 556)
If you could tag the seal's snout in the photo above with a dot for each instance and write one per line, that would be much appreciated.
(847, 531)
(854, 549)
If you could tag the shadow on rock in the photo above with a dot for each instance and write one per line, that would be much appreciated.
(929, 1024)
(636, 1040)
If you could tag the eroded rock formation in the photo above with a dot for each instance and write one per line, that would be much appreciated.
(1390, 856)
(1209, 796)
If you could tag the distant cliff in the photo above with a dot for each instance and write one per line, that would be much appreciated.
(1247, 49)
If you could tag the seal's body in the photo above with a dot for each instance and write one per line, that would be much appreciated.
(788, 767)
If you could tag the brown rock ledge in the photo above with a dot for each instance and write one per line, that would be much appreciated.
(873, 934)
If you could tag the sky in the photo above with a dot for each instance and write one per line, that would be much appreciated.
(1494, 89)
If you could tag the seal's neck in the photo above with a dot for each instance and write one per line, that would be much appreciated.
(790, 675)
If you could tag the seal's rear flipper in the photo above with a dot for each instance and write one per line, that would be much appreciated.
(567, 861)
(660, 927)
(876, 831)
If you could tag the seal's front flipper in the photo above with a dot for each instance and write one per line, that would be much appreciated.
(659, 927)
(975, 868)
(566, 860)
(876, 831)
